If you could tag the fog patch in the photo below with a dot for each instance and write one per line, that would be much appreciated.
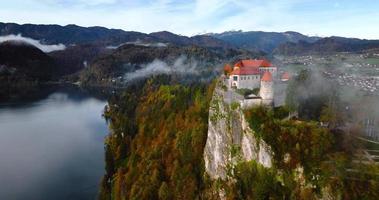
(349, 85)
(43, 47)
(181, 65)
(140, 43)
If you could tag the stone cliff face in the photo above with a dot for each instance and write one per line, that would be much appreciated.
(230, 139)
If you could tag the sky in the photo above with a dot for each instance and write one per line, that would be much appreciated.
(348, 18)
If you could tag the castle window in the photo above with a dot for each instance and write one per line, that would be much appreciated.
(235, 78)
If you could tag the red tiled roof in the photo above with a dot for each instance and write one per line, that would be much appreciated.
(250, 67)
(245, 71)
(253, 63)
(267, 77)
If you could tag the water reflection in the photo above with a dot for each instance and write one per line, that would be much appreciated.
(52, 148)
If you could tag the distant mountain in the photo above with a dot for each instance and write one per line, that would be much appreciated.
(327, 46)
(259, 40)
(73, 34)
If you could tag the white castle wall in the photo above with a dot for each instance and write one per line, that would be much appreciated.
(246, 81)
(248, 103)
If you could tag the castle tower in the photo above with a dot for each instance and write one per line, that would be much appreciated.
(267, 89)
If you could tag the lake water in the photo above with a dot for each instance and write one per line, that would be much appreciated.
(52, 147)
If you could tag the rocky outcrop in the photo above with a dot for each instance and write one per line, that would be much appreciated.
(230, 139)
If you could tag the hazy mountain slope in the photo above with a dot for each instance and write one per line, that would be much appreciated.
(209, 41)
(282, 43)
(169, 37)
(71, 34)
(76, 58)
(265, 41)
(327, 46)
(22, 60)
(199, 40)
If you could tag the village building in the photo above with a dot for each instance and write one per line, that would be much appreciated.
(285, 77)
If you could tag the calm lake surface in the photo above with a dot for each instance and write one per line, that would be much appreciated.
(52, 147)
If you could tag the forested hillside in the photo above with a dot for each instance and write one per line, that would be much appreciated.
(155, 148)
(23, 66)
(158, 131)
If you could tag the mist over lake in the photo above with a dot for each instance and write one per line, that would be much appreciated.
(52, 148)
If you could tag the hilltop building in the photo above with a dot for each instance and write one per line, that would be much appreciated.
(266, 93)
(251, 74)
(247, 73)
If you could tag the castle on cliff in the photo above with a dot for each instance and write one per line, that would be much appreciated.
(252, 74)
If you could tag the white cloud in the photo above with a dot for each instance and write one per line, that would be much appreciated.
(182, 65)
(36, 43)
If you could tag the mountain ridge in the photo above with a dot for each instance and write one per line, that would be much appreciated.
(73, 34)
(268, 42)
(265, 41)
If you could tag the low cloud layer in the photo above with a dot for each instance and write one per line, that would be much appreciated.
(181, 65)
(43, 47)
(140, 43)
